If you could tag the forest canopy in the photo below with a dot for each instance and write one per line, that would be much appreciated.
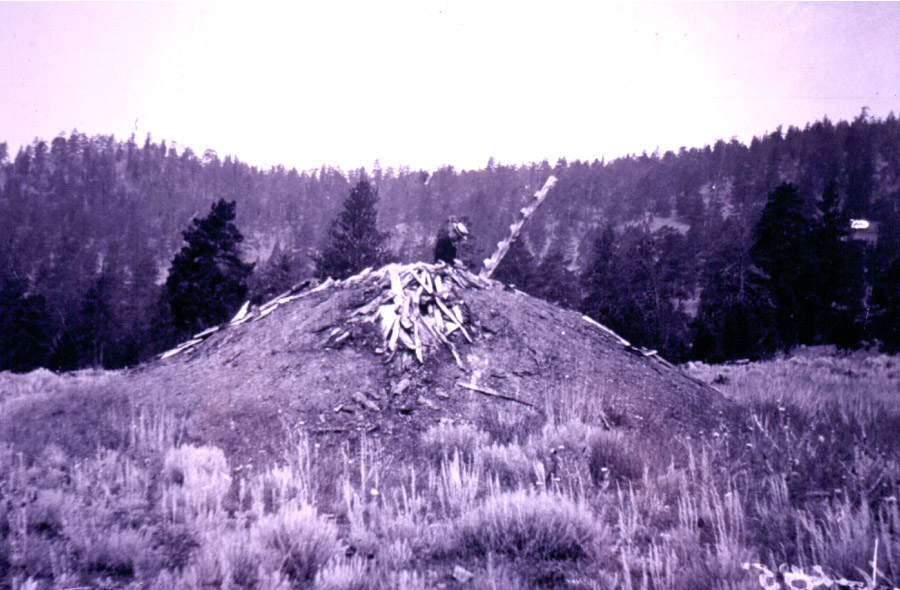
(720, 252)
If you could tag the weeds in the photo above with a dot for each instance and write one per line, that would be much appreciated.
(299, 539)
(810, 478)
(448, 437)
(525, 524)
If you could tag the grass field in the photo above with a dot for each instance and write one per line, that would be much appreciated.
(98, 493)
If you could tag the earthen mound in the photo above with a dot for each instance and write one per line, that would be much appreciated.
(393, 351)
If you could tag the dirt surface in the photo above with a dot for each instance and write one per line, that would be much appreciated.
(246, 387)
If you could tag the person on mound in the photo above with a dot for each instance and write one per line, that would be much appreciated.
(449, 235)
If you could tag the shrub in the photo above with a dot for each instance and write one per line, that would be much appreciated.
(843, 538)
(199, 477)
(46, 514)
(176, 580)
(507, 425)
(346, 574)
(117, 553)
(299, 540)
(443, 438)
(509, 463)
(175, 544)
(611, 456)
(77, 419)
(456, 484)
(573, 435)
(228, 559)
(527, 525)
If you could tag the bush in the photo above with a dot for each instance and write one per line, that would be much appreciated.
(227, 559)
(346, 574)
(527, 525)
(612, 457)
(79, 420)
(509, 463)
(199, 479)
(299, 540)
(443, 438)
(118, 553)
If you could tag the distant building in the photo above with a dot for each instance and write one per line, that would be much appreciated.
(864, 230)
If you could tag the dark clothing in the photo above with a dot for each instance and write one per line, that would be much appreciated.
(445, 249)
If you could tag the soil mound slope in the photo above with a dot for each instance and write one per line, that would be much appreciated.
(393, 351)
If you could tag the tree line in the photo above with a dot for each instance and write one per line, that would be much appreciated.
(726, 251)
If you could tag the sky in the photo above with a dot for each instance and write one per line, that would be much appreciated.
(427, 83)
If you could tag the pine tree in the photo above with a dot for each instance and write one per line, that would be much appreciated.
(554, 281)
(886, 307)
(626, 289)
(24, 339)
(517, 268)
(208, 279)
(783, 251)
(354, 240)
(99, 330)
(276, 276)
(840, 279)
(734, 319)
(599, 279)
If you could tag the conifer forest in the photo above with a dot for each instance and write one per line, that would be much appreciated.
(112, 250)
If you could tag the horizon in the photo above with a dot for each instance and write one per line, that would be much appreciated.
(180, 148)
(428, 85)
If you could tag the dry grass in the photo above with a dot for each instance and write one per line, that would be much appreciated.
(811, 478)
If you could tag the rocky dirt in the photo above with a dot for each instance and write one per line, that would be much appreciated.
(247, 388)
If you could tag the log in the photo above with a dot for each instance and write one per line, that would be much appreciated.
(490, 265)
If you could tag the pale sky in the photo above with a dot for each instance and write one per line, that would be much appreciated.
(428, 83)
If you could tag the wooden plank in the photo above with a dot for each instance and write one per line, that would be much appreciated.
(407, 340)
(242, 312)
(452, 318)
(329, 282)
(396, 285)
(455, 354)
(405, 320)
(438, 319)
(438, 334)
(426, 338)
(207, 332)
(492, 393)
(425, 286)
(388, 315)
(600, 326)
(243, 320)
(395, 334)
(418, 342)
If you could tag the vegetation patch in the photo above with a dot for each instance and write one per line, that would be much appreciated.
(529, 525)
(808, 478)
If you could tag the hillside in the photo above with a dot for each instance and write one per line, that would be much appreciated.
(318, 363)
(89, 227)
